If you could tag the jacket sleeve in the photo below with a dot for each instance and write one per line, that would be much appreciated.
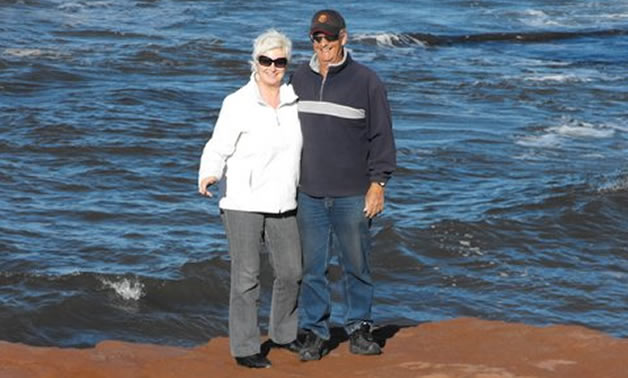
(222, 143)
(382, 152)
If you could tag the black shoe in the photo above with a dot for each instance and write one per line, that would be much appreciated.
(294, 346)
(361, 341)
(313, 347)
(253, 361)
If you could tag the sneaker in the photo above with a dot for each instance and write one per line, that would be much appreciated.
(253, 361)
(312, 348)
(361, 341)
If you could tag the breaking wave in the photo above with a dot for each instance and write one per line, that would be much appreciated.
(427, 39)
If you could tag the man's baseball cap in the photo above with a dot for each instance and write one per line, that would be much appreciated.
(327, 21)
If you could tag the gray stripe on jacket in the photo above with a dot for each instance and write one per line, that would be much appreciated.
(329, 108)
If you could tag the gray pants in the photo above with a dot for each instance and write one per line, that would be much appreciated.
(245, 233)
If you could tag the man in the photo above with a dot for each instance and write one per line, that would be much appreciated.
(348, 156)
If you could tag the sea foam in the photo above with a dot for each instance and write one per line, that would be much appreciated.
(568, 128)
(126, 288)
(390, 39)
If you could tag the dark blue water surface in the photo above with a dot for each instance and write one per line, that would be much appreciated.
(510, 201)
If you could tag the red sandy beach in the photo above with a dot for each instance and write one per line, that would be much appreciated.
(464, 347)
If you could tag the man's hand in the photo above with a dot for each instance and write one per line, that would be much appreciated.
(374, 200)
(203, 187)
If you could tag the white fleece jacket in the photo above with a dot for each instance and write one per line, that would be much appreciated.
(257, 149)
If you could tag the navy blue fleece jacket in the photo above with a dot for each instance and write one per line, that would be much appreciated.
(347, 129)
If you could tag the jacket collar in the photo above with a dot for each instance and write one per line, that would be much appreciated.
(286, 92)
(333, 68)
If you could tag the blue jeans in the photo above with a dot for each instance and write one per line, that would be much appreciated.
(318, 219)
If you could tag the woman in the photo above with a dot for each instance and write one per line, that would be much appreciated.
(256, 146)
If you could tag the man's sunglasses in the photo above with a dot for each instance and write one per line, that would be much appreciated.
(266, 61)
(319, 37)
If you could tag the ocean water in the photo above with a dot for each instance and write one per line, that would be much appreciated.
(510, 201)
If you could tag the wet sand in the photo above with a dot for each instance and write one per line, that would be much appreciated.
(464, 347)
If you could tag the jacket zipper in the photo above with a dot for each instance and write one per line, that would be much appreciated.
(320, 93)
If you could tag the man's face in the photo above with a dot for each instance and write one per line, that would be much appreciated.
(328, 49)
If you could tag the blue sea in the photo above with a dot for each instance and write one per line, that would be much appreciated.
(510, 201)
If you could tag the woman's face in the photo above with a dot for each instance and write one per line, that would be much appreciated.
(271, 75)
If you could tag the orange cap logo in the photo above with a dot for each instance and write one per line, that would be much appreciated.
(322, 18)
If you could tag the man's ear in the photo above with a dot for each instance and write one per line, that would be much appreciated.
(344, 37)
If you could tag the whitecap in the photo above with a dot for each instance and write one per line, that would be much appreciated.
(614, 16)
(71, 7)
(545, 140)
(537, 18)
(126, 288)
(568, 128)
(390, 39)
(584, 129)
(540, 63)
(32, 53)
(100, 4)
(594, 156)
(23, 52)
(561, 78)
(614, 185)
(536, 13)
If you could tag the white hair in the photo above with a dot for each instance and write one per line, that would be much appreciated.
(269, 40)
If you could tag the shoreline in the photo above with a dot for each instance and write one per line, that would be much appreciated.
(461, 347)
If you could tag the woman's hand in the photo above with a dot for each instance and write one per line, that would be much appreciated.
(203, 187)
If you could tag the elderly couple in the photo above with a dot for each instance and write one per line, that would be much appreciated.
(328, 136)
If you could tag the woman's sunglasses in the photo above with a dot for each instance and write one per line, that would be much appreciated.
(319, 37)
(266, 61)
